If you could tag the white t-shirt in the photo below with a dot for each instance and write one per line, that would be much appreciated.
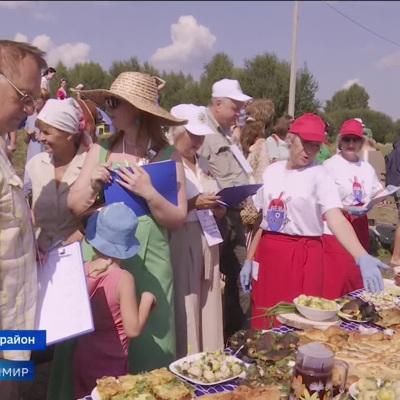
(294, 201)
(277, 148)
(202, 181)
(45, 84)
(356, 182)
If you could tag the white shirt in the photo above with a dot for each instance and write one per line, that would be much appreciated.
(45, 84)
(277, 148)
(294, 201)
(200, 182)
(356, 182)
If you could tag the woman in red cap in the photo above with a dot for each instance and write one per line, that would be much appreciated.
(357, 184)
(287, 247)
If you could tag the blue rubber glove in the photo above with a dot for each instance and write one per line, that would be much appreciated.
(358, 211)
(371, 275)
(245, 275)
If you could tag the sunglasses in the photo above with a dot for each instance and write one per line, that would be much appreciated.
(112, 102)
(25, 99)
(354, 139)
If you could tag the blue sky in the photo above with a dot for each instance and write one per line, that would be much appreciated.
(184, 35)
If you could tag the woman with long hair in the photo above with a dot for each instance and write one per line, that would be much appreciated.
(131, 105)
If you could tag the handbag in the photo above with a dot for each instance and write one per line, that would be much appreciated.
(249, 212)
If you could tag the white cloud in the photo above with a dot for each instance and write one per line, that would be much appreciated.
(191, 42)
(392, 60)
(19, 37)
(36, 8)
(16, 4)
(348, 84)
(68, 53)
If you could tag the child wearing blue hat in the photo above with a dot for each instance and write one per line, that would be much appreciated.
(116, 313)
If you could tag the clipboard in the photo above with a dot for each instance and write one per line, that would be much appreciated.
(163, 178)
(63, 307)
(234, 195)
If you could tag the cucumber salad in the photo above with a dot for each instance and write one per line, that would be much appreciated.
(212, 367)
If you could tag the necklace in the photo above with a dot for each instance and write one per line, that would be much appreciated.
(141, 160)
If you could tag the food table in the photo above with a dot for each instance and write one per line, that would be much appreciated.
(229, 386)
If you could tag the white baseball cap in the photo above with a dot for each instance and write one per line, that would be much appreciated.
(229, 88)
(196, 116)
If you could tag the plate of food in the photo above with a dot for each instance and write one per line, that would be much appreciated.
(375, 389)
(154, 385)
(359, 311)
(209, 368)
(388, 298)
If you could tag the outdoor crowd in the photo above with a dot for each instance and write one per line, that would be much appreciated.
(158, 289)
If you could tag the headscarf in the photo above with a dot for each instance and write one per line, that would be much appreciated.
(67, 116)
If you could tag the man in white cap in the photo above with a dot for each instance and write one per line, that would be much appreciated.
(230, 169)
(20, 66)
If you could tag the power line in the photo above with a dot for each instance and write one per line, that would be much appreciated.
(362, 26)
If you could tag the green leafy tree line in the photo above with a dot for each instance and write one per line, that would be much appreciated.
(263, 76)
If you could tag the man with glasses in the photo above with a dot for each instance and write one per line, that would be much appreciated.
(20, 74)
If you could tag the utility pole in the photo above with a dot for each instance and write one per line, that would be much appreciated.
(292, 87)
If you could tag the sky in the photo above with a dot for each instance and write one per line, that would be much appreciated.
(184, 35)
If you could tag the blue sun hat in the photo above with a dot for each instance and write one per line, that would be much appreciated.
(111, 231)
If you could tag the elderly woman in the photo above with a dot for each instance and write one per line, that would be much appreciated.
(54, 171)
(296, 195)
(356, 183)
(131, 105)
(198, 303)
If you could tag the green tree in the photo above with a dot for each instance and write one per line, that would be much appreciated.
(381, 124)
(90, 74)
(179, 89)
(220, 66)
(118, 67)
(306, 93)
(265, 76)
(354, 98)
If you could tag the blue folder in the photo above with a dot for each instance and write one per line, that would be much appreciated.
(234, 195)
(163, 178)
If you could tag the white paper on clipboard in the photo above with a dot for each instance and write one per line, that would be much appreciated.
(63, 307)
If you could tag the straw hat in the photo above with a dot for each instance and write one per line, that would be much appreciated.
(140, 90)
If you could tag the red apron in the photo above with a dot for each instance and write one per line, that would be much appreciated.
(341, 274)
(289, 266)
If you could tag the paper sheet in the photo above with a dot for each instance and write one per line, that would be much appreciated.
(210, 227)
(381, 195)
(254, 270)
(63, 306)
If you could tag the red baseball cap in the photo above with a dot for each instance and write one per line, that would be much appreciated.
(351, 127)
(309, 127)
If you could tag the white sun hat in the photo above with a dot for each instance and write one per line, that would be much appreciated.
(196, 116)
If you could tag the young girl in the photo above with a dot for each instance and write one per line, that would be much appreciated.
(116, 314)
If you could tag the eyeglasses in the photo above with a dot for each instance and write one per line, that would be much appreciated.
(26, 99)
(112, 102)
(354, 139)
